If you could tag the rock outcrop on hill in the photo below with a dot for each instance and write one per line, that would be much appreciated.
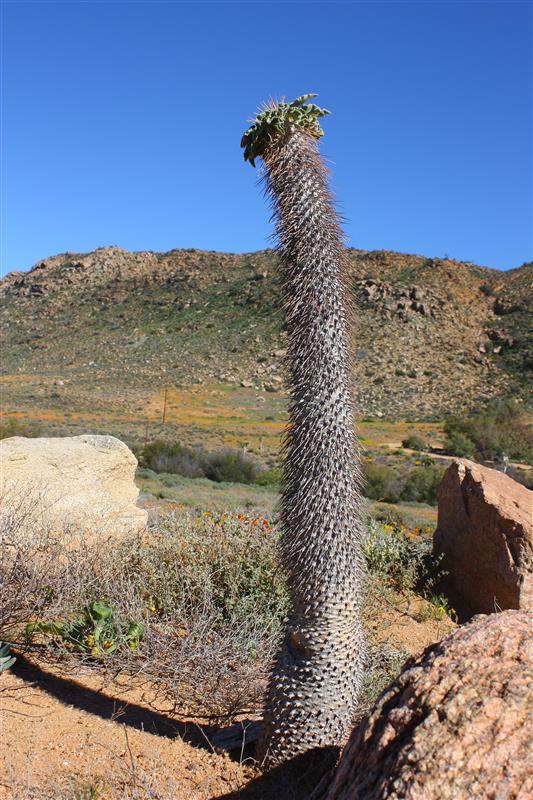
(485, 532)
(84, 484)
(456, 724)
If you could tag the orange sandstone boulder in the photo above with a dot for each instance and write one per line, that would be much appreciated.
(456, 725)
(485, 532)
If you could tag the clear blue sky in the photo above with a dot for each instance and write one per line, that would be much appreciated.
(122, 122)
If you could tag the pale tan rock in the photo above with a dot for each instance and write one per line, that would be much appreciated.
(485, 531)
(80, 483)
(456, 725)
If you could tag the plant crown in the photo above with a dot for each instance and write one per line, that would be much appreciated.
(281, 119)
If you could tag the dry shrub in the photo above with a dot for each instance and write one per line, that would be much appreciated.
(205, 590)
(35, 569)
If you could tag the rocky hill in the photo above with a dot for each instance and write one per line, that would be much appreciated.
(432, 335)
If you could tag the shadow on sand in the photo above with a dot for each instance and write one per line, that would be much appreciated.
(294, 780)
(70, 692)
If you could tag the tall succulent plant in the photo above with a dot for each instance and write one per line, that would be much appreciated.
(315, 681)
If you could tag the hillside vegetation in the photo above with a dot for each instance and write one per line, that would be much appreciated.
(111, 329)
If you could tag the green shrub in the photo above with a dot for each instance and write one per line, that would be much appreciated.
(523, 476)
(14, 427)
(422, 484)
(196, 605)
(401, 559)
(459, 444)
(381, 483)
(388, 516)
(232, 466)
(269, 477)
(499, 430)
(161, 456)
(383, 664)
(390, 485)
(414, 443)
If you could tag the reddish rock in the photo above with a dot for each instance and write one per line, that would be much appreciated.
(456, 725)
(485, 531)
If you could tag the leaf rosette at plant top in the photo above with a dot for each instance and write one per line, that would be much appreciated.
(280, 118)
(94, 633)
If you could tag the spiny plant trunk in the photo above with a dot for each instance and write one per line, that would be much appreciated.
(315, 681)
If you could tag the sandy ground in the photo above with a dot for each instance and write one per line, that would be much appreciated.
(69, 737)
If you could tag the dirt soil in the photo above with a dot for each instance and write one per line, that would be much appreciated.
(76, 737)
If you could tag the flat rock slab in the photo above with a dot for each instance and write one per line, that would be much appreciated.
(80, 483)
(485, 532)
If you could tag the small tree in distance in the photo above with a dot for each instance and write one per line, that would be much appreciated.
(315, 681)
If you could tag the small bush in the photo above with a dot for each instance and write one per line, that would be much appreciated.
(400, 559)
(414, 443)
(459, 444)
(381, 483)
(388, 485)
(422, 484)
(523, 476)
(269, 477)
(161, 456)
(196, 604)
(382, 665)
(499, 430)
(14, 427)
(232, 466)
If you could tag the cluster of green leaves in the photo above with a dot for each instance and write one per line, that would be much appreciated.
(280, 119)
(94, 633)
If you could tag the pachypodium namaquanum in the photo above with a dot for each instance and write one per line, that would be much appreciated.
(315, 681)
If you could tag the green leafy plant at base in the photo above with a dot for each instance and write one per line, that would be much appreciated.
(95, 633)
(437, 608)
(6, 659)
